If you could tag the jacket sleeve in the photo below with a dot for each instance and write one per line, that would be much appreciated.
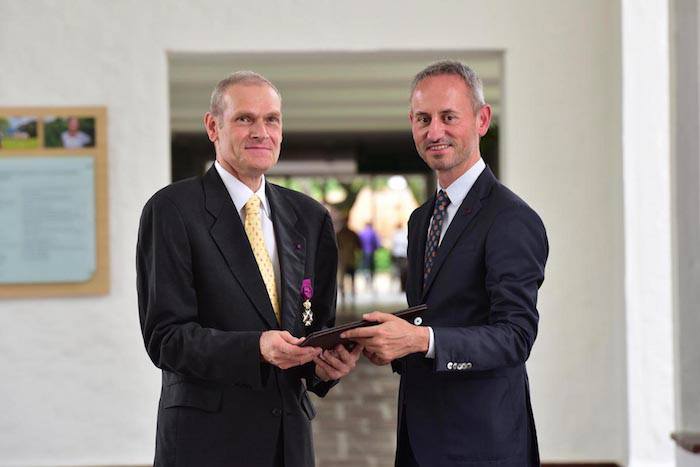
(174, 338)
(516, 251)
(325, 295)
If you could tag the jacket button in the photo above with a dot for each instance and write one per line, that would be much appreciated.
(418, 321)
(276, 412)
(468, 365)
(449, 365)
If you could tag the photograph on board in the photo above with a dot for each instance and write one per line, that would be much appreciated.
(69, 132)
(18, 132)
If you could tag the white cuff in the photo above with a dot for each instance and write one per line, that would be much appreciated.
(431, 345)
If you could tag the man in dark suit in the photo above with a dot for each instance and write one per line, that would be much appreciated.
(230, 269)
(476, 257)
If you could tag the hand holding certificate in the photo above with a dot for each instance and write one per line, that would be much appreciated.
(329, 338)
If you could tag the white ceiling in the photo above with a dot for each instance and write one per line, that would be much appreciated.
(322, 91)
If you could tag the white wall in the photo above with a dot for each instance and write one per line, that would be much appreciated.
(687, 209)
(686, 459)
(686, 222)
(648, 281)
(77, 383)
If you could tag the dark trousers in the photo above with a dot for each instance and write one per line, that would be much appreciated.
(279, 451)
(404, 453)
(368, 262)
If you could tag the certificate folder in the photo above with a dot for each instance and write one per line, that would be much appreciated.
(329, 338)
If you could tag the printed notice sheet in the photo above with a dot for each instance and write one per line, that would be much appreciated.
(47, 219)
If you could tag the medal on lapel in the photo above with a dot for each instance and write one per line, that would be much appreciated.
(307, 292)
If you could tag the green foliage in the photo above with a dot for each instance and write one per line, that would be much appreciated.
(416, 183)
(379, 182)
(29, 128)
(15, 143)
(382, 260)
(351, 190)
(12, 142)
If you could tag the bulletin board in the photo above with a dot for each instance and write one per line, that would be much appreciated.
(53, 202)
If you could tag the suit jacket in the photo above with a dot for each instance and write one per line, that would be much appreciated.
(203, 306)
(470, 405)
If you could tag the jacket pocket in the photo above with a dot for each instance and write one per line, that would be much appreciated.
(185, 394)
(307, 406)
(482, 419)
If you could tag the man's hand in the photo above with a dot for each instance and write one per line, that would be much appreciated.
(279, 348)
(374, 358)
(336, 363)
(392, 338)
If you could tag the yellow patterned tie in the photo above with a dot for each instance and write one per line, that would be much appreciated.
(253, 229)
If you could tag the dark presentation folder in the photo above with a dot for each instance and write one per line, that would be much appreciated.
(329, 338)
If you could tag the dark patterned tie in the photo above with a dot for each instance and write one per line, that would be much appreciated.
(431, 245)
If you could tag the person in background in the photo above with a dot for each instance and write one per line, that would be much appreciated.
(399, 247)
(348, 248)
(370, 244)
(74, 138)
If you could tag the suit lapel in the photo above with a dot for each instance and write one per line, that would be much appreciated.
(464, 216)
(291, 249)
(416, 243)
(229, 235)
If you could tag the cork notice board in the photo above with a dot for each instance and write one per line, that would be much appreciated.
(53, 202)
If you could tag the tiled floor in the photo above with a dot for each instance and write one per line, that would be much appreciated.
(355, 425)
(356, 422)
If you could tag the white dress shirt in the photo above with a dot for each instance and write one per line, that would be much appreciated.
(240, 194)
(457, 191)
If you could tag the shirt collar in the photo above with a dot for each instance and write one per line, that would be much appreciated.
(458, 189)
(239, 191)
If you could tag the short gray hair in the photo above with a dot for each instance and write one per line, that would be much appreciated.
(239, 77)
(455, 68)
